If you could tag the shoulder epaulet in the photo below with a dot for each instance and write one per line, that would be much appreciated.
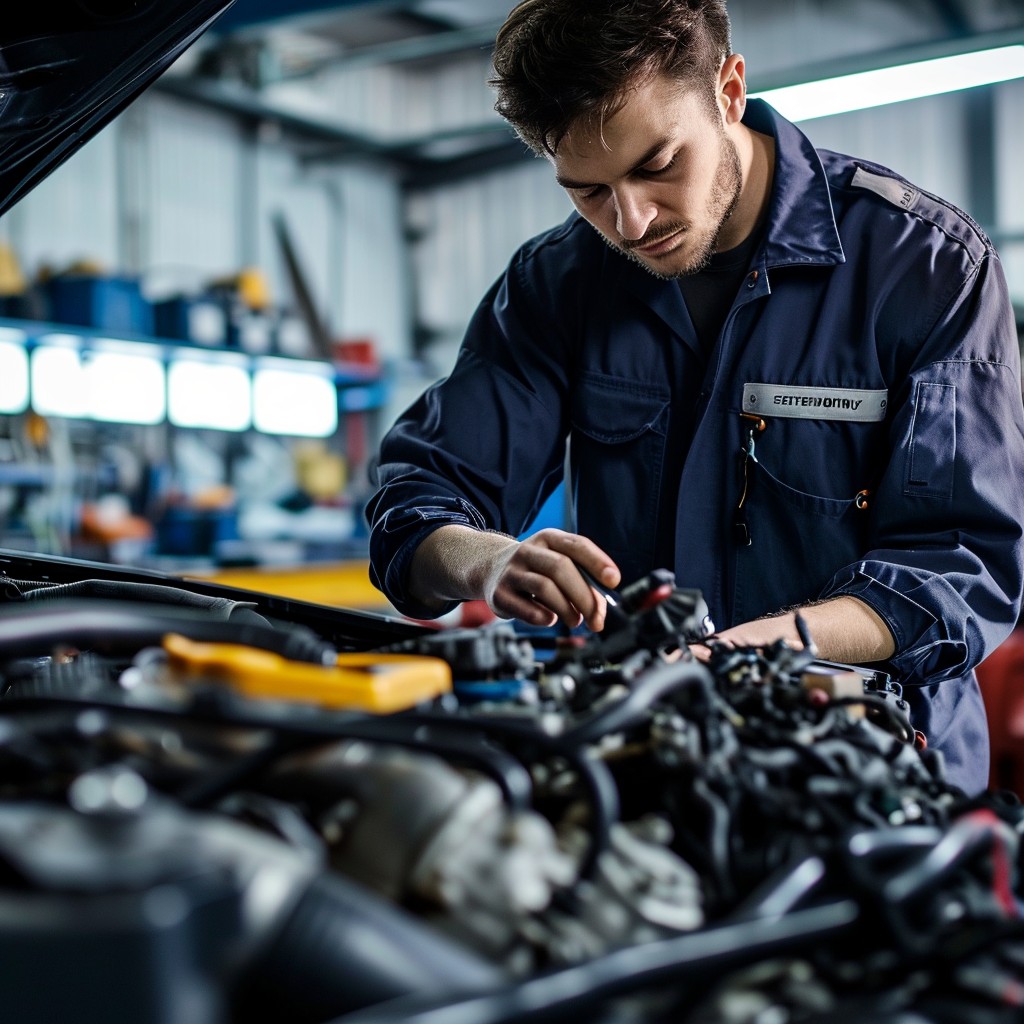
(897, 192)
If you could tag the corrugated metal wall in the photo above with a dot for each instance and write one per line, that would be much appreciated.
(791, 33)
(73, 214)
(469, 231)
(189, 181)
(399, 101)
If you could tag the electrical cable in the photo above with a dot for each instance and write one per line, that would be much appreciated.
(696, 959)
(644, 691)
(117, 626)
(406, 729)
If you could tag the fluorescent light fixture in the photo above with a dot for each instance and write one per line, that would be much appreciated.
(211, 394)
(125, 384)
(13, 371)
(865, 89)
(294, 397)
(58, 381)
(115, 383)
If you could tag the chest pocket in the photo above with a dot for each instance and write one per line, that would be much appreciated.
(616, 457)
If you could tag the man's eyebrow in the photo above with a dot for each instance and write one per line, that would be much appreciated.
(645, 159)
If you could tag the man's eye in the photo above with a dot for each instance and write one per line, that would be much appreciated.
(661, 170)
(589, 193)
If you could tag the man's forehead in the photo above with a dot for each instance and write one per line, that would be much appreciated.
(659, 106)
(631, 136)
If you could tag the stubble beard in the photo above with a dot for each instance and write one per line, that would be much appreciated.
(725, 195)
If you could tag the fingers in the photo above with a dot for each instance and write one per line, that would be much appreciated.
(584, 552)
(541, 583)
(701, 652)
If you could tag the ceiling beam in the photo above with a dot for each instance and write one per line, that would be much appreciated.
(249, 13)
(422, 175)
(954, 15)
(423, 163)
(436, 44)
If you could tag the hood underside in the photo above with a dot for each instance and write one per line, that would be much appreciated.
(68, 67)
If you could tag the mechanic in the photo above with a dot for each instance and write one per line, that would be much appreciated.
(789, 375)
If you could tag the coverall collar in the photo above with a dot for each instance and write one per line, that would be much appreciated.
(801, 225)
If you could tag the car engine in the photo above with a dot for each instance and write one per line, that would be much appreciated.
(217, 806)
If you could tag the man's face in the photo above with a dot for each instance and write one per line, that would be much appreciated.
(659, 179)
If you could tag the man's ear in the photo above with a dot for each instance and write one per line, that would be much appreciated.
(732, 88)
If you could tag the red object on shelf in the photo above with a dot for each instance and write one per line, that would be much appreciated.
(1001, 676)
(357, 353)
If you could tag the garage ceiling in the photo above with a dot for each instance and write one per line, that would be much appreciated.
(260, 44)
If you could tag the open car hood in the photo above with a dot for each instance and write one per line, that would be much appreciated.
(68, 67)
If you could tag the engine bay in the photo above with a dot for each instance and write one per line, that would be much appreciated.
(219, 806)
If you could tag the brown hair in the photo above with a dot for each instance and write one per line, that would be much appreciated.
(556, 61)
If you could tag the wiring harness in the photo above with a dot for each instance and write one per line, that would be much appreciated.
(571, 828)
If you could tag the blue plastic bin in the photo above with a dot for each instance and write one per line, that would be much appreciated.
(105, 303)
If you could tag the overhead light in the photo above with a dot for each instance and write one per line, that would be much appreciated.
(126, 383)
(211, 393)
(294, 397)
(115, 382)
(58, 385)
(13, 372)
(864, 89)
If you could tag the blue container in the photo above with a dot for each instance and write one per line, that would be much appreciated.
(105, 303)
(201, 320)
(187, 531)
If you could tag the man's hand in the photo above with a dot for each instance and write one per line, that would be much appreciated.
(535, 580)
(844, 629)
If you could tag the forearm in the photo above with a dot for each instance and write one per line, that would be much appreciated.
(843, 629)
(454, 563)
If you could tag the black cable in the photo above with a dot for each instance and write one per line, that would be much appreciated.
(964, 840)
(402, 730)
(119, 626)
(209, 788)
(414, 730)
(149, 593)
(648, 688)
(295, 734)
(696, 959)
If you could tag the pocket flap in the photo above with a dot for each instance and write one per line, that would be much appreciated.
(613, 410)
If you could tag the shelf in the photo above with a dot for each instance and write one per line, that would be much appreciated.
(270, 393)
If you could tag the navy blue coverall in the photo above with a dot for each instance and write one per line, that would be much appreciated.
(873, 334)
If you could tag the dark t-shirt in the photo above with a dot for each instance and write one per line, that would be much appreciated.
(709, 293)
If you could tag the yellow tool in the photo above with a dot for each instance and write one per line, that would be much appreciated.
(381, 683)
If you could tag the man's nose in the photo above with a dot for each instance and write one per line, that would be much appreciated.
(634, 213)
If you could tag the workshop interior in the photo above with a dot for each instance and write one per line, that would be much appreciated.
(236, 240)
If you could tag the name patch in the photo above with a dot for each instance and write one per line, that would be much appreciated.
(794, 401)
(899, 193)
